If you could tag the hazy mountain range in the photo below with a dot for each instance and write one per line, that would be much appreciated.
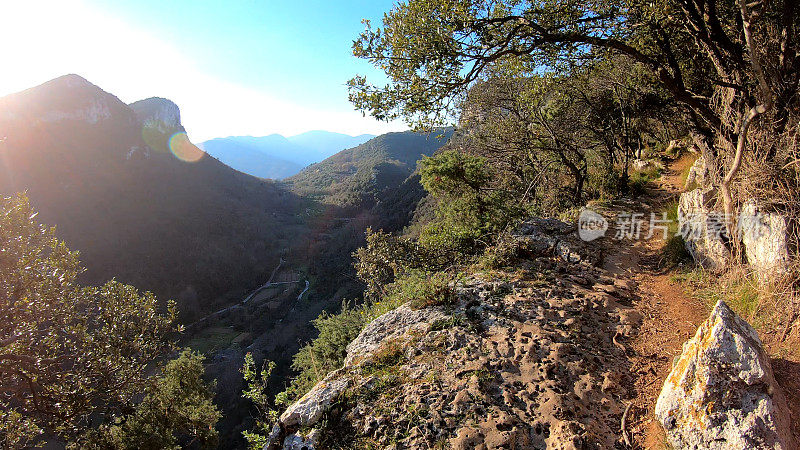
(276, 156)
(124, 185)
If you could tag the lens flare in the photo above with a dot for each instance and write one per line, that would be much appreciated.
(183, 149)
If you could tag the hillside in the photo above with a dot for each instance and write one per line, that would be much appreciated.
(126, 187)
(359, 176)
(276, 156)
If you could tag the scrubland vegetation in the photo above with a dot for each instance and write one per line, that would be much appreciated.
(553, 102)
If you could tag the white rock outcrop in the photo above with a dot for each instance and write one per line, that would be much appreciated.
(305, 413)
(158, 113)
(764, 237)
(308, 410)
(703, 230)
(698, 173)
(721, 393)
(391, 325)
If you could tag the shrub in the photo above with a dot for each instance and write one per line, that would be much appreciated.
(501, 254)
(422, 289)
(328, 351)
(641, 178)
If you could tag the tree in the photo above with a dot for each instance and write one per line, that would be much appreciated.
(731, 65)
(468, 206)
(177, 412)
(68, 353)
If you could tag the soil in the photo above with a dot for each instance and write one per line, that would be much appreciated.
(670, 315)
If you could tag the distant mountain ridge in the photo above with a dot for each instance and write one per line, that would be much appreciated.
(126, 187)
(276, 156)
(360, 176)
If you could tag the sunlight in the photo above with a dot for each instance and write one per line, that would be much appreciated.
(183, 149)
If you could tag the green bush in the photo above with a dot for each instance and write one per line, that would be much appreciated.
(674, 252)
(502, 254)
(422, 289)
(641, 178)
(327, 352)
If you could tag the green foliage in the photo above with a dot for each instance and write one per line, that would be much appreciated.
(674, 253)
(640, 179)
(502, 254)
(177, 410)
(257, 392)
(328, 351)
(67, 352)
(422, 289)
(467, 208)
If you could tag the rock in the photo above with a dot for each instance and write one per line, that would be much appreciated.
(647, 164)
(703, 230)
(158, 113)
(698, 174)
(764, 238)
(307, 411)
(298, 442)
(390, 326)
(721, 393)
(551, 237)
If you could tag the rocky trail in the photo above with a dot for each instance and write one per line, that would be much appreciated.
(566, 348)
(670, 315)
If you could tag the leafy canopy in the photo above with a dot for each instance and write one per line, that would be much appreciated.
(67, 352)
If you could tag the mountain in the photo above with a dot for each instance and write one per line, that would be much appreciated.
(127, 188)
(359, 176)
(270, 156)
(371, 185)
(327, 143)
(278, 157)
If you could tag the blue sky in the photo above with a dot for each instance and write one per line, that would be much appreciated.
(236, 67)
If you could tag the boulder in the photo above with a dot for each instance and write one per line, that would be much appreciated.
(721, 393)
(552, 237)
(305, 413)
(298, 442)
(703, 230)
(647, 164)
(391, 325)
(764, 238)
(308, 410)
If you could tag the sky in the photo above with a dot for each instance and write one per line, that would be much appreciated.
(238, 67)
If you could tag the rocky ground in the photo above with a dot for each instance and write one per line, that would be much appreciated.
(534, 358)
(569, 348)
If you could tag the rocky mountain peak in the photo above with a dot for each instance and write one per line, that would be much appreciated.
(69, 98)
(159, 113)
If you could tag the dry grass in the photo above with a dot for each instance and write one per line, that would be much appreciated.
(770, 306)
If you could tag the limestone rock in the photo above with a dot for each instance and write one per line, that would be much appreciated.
(703, 230)
(389, 326)
(158, 113)
(551, 237)
(721, 393)
(764, 238)
(298, 442)
(647, 164)
(698, 173)
(307, 411)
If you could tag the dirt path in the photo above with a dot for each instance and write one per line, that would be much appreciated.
(669, 315)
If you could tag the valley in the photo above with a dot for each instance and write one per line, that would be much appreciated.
(428, 224)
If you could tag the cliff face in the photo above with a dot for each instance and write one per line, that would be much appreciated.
(159, 113)
(529, 358)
